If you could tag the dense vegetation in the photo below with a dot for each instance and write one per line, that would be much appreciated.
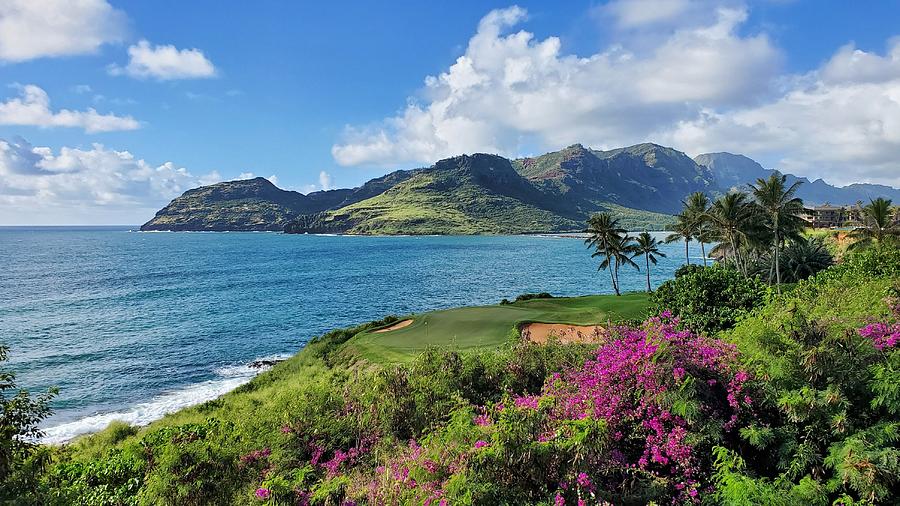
(795, 402)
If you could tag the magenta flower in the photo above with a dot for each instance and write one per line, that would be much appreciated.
(882, 335)
(558, 500)
(481, 444)
(583, 480)
(263, 493)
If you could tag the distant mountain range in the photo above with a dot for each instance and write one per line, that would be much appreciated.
(735, 171)
(488, 194)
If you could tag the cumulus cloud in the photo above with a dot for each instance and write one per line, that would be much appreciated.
(32, 29)
(707, 84)
(164, 63)
(642, 13)
(325, 181)
(96, 185)
(510, 90)
(841, 122)
(32, 108)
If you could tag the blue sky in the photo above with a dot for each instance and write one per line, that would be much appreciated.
(330, 94)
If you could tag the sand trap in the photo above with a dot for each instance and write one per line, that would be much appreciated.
(398, 325)
(540, 332)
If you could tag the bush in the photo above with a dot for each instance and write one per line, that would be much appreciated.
(709, 299)
(20, 413)
(527, 296)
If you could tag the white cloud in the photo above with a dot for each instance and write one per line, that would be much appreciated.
(325, 181)
(706, 84)
(82, 88)
(32, 29)
(641, 13)
(164, 63)
(32, 108)
(96, 185)
(511, 90)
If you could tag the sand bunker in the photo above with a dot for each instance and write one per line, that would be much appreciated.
(541, 332)
(398, 325)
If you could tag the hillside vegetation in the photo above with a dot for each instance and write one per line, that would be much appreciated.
(794, 402)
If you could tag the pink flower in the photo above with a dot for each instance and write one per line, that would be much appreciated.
(583, 480)
(263, 493)
(481, 444)
(678, 373)
(558, 500)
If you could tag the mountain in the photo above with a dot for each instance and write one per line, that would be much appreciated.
(645, 176)
(642, 184)
(735, 171)
(468, 194)
(246, 205)
(481, 193)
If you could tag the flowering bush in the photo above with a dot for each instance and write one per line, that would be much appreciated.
(649, 406)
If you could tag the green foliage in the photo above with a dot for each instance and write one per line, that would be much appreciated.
(20, 414)
(709, 299)
(528, 296)
(819, 425)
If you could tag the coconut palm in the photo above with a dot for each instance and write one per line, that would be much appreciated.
(683, 229)
(731, 218)
(782, 210)
(604, 233)
(877, 223)
(648, 247)
(696, 207)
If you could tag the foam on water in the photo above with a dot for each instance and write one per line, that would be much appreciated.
(228, 378)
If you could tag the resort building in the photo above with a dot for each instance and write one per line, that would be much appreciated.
(830, 216)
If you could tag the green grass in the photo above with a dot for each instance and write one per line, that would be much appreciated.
(482, 327)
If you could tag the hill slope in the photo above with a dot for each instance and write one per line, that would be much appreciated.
(644, 176)
(488, 194)
(247, 205)
(474, 194)
(731, 171)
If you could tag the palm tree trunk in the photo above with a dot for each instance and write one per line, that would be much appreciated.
(617, 279)
(686, 255)
(777, 267)
(611, 276)
(647, 256)
(703, 252)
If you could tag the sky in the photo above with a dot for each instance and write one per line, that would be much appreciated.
(110, 109)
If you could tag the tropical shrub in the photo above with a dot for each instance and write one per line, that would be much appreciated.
(527, 296)
(21, 460)
(709, 299)
(829, 430)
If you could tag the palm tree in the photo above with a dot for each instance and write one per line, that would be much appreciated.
(605, 232)
(782, 209)
(800, 259)
(683, 229)
(730, 217)
(697, 207)
(805, 257)
(647, 246)
(878, 223)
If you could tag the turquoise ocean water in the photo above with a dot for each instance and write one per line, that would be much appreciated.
(132, 325)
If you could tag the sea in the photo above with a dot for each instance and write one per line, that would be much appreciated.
(133, 325)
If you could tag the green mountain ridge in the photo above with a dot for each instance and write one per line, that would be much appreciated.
(481, 193)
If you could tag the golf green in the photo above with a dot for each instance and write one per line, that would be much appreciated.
(482, 327)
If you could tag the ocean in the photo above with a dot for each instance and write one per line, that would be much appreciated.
(133, 325)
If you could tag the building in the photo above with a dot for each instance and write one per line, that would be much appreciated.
(830, 216)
